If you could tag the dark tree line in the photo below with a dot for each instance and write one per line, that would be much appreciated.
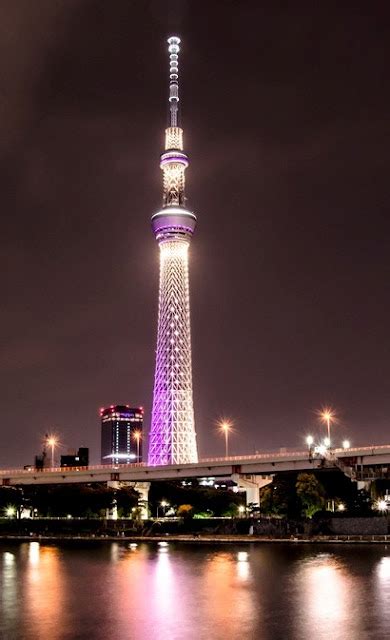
(295, 495)
(76, 500)
(205, 501)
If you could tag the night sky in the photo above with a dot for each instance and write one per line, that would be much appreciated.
(285, 115)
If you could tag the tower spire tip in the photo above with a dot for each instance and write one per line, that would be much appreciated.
(173, 49)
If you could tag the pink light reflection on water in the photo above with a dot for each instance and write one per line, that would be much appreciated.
(181, 593)
(329, 599)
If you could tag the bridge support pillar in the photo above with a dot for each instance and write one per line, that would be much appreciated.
(364, 485)
(252, 485)
(112, 514)
(143, 502)
(143, 490)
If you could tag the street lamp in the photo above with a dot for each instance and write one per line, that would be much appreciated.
(327, 416)
(137, 435)
(164, 505)
(241, 510)
(381, 505)
(346, 444)
(52, 442)
(225, 427)
(309, 441)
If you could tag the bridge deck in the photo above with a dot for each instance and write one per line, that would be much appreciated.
(256, 464)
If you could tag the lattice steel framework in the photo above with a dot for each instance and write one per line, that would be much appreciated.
(172, 438)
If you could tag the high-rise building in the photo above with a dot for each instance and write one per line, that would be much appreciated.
(172, 438)
(121, 434)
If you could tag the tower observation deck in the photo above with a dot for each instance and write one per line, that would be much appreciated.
(172, 438)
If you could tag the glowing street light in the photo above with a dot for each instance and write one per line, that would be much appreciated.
(346, 444)
(327, 442)
(321, 449)
(225, 427)
(309, 441)
(10, 512)
(241, 510)
(164, 505)
(327, 416)
(52, 442)
(137, 435)
(381, 505)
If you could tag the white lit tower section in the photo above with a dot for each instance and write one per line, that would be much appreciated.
(172, 438)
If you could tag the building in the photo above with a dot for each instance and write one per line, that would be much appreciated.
(172, 438)
(73, 459)
(121, 434)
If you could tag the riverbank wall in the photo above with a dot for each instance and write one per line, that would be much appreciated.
(266, 528)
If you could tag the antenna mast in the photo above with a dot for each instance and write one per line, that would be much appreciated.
(173, 49)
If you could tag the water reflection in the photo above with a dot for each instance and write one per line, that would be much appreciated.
(232, 607)
(326, 590)
(8, 592)
(383, 570)
(383, 591)
(33, 553)
(163, 600)
(44, 592)
(243, 566)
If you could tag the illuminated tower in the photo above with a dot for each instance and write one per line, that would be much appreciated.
(172, 438)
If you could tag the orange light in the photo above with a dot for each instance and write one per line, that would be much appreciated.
(327, 414)
(225, 426)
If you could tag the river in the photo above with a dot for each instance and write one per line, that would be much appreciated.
(105, 591)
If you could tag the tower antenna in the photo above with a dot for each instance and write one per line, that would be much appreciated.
(173, 48)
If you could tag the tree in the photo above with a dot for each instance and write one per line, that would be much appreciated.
(77, 500)
(126, 500)
(231, 511)
(311, 493)
(279, 498)
(202, 499)
(11, 498)
(272, 501)
(185, 511)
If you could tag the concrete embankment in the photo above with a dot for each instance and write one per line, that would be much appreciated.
(202, 539)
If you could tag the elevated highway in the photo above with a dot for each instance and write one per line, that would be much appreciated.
(360, 463)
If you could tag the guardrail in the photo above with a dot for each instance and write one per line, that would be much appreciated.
(143, 465)
(277, 456)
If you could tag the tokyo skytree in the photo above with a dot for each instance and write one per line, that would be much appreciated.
(172, 438)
